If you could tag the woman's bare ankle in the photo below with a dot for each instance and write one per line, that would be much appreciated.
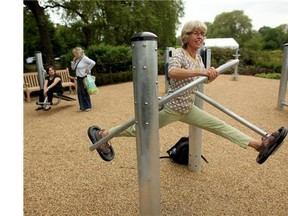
(256, 144)
(103, 133)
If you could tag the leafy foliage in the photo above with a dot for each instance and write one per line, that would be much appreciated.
(271, 60)
(269, 75)
(110, 59)
(114, 22)
(104, 29)
(231, 24)
(274, 37)
(252, 62)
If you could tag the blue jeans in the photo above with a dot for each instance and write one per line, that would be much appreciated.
(83, 96)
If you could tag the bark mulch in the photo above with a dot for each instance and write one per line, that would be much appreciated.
(63, 177)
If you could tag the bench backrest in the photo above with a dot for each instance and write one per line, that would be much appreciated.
(64, 73)
(31, 79)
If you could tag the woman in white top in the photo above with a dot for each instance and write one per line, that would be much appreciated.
(82, 65)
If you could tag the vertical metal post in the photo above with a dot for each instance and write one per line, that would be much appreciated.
(208, 58)
(236, 74)
(40, 69)
(195, 133)
(168, 54)
(283, 81)
(145, 73)
(195, 140)
(166, 58)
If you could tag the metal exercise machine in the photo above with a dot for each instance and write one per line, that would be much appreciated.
(41, 78)
(59, 97)
(161, 102)
(146, 104)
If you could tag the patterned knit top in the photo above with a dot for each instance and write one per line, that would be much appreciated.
(181, 59)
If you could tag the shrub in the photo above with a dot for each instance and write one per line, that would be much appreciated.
(269, 75)
(114, 63)
(110, 78)
(110, 59)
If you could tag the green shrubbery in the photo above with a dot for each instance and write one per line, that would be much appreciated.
(269, 75)
(252, 62)
(110, 59)
(114, 63)
(109, 78)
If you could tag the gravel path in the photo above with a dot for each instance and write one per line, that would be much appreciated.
(63, 177)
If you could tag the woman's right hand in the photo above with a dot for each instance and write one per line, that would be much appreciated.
(212, 74)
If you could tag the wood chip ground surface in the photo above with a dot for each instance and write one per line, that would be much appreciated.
(63, 177)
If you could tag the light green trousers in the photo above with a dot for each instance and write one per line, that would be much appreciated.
(198, 118)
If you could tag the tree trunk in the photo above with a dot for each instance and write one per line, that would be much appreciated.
(41, 20)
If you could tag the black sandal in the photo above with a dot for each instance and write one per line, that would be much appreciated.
(271, 144)
(94, 136)
(39, 108)
(46, 109)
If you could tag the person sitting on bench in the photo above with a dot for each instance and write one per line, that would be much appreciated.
(52, 84)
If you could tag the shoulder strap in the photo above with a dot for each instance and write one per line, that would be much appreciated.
(78, 63)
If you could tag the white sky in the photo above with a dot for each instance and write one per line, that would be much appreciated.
(270, 13)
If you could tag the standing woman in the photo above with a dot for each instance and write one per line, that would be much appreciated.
(82, 65)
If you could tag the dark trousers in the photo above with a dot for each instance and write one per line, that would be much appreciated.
(83, 96)
(49, 94)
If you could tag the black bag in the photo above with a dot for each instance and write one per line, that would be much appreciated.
(180, 152)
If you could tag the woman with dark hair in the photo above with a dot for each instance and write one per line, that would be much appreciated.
(52, 84)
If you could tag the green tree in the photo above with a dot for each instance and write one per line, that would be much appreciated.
(274, 38)
(256, 42)
(65, 38)
(31, 37)
(86, 16)
(86, 23)
(161, 18)
(114, 22)
(233, 24)
(43, 29)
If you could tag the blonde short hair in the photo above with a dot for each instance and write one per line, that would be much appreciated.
(188, 28)
(78, 51)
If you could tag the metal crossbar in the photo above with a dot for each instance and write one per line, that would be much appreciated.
(230, 113)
